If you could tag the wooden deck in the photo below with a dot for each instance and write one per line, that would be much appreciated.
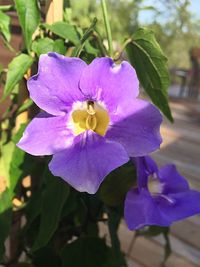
(181, 145)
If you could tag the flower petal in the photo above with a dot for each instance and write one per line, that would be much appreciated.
(181, 206)
(85, 165)
(137, 129)
(45, 135)
(115, 85)
(172, 180)
(141, 210)
(55, 86)
(145, 166)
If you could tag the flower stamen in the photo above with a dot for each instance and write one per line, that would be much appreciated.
(90, 116)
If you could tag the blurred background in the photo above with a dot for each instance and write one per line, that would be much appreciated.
(176, 24)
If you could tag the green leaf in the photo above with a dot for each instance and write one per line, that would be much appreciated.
(85, 252)
(123, 178)
(5, 219)
(6, 158)
(55, 195)
(114, 218)
(59, 46)
(46, 257)
(24, 264)
(27, 104)
(4, 26)
(11, 169)
(150, 64)
(29, 17)
(64, 30)
(16, 70)
(45, 45)
(90, 49)
(21, 164)
(84, 38)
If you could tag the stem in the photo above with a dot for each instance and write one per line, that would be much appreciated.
(107, 26)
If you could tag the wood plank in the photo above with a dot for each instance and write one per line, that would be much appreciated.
(150, 253)
(132, 263)
(187, 232)
(181, 249)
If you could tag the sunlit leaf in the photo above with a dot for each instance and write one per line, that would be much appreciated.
(16, 70)
(64, 30)
(29, 17)
(45, 45)
(4, 26)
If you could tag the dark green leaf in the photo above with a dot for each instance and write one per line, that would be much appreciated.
(45, 45)
(71, 204)
(33, 208)
(55, 195)
(46, 257)
(150, 64)
(85, 252)
(29, 17)
(23, 264)
(5, 218)
(4, 26)
(16, 70)
(64, 30)
(114, 218)
(117, 183)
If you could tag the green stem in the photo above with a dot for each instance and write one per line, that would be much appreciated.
(107, 26)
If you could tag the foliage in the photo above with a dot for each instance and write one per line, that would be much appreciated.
(60, 225)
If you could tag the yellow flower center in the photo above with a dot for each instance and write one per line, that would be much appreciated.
(93, 117)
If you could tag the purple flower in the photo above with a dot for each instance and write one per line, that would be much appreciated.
(92, 122)
(162, 197)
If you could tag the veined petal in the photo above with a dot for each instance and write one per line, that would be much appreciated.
(141, 210)
(46, 135)
(138, 129)
(181, 206)
(56, 85)
(115, 85)
(85, 164)
(173, 182)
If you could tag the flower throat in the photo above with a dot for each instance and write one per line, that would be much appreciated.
(90, 116)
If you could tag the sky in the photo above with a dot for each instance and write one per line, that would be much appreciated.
(147, 15)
